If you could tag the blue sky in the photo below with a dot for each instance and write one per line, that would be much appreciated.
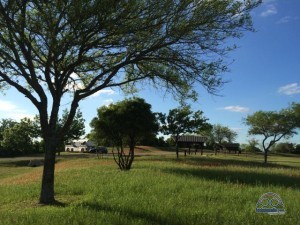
(265, 75)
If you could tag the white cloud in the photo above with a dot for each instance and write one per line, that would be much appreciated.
(107, 102)
(286, 19)
(11, 110)
(237, 129)
(269, 11)
(19, 116)
(290, 89)
(236, 108)
(268, 1)
(74, 83)
(104, 91)
(7, 106)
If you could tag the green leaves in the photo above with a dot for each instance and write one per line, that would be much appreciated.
(182, 120)
(128, 120)
(271, 123)
(18, 136)
(47, 41)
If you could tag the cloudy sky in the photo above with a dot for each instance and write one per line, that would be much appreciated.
(264, 75)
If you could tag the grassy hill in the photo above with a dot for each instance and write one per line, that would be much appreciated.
(208, 189)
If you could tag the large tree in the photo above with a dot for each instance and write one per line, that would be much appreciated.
(273, 126)
(180, 121)
(53, 49)
(125, 122)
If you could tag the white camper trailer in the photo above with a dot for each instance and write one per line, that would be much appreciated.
(82, 145)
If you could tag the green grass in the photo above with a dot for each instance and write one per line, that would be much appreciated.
(221, 189)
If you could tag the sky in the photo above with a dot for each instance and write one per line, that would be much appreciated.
(264, 75)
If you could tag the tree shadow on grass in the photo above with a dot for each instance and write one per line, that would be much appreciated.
(221, 162)
(238, 177)
(235, 162)
(19, 163)
(129, 213)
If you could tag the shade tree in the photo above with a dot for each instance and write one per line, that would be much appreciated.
(273, 126)
(50, 50)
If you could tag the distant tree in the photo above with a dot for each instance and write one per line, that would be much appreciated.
(219, 134)
(180, 121)
(4, 125)
(297, 149)
(125, 122)
(273, 126)
(283, 147)
(77, 128)
(53, 49)
(230, 135)
(170, 142)
(252, 145)
(161, 142)
(20, 137)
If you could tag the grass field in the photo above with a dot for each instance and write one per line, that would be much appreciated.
(222, 189)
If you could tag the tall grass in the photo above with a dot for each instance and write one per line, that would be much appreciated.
(158, 190)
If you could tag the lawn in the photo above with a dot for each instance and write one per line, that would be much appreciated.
(208, 189)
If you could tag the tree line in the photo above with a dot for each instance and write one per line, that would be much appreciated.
(25, 137)
(131, 122)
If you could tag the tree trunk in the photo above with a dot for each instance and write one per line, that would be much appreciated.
(266, 155)
(47, 190)
(131, 158)
(177, 151)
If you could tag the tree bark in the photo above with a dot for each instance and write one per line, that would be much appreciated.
(47, 190)
(266, 155)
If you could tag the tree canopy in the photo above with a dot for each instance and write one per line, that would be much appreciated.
(55, 49)
(125, 122)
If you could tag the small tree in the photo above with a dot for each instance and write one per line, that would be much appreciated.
(273, 126)
(180, 121)
(125, 122)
